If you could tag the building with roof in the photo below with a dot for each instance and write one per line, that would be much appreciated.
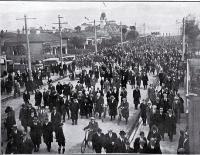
(43, 45)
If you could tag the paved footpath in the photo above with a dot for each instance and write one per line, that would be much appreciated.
(167, 147)
(74, 134)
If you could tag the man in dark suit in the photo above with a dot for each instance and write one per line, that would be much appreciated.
(120, 145)
(161, 118)
(47, 131)
(171, 124)
(113, 103)
(137, 142)
(74, 107)
(98, 140)
(136, 97)
(110, 139)
(55, 118)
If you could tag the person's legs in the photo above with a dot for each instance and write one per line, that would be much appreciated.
(63, 149)
(59, 147)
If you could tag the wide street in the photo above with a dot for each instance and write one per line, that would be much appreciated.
(74, 134)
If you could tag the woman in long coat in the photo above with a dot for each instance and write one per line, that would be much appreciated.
(36, 134)
(112, 103)
(74, 107)
(38, 98)
(99, 104)
(132, 79)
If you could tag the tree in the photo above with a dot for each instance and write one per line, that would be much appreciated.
(78, 29)
(103, 15)
(191, 29)
(132, 35)
(77, 41)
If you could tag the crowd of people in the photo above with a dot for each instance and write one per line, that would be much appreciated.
(117, 67)
(14, 81)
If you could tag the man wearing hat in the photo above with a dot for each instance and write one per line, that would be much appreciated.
(120, 145)
(112, 103)
(47, 131)
(138, 140)
(136, 97)
(110, 139)
(171, 124)
(55, 118)
(98, 140)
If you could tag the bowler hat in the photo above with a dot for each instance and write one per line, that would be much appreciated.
(122, 133)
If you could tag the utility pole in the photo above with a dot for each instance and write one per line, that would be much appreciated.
(27, 44)
(144, 28)
(121, 33)
(95, 36)
(60, 33)
(95, 33)
(183, 40)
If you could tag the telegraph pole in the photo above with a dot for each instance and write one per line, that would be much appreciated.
(60, 33)
(95, 36)
(183, 40)
(27, 44)
(121, 32)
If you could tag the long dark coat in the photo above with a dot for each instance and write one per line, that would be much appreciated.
(26, 97)
(38, 98)
(137, 144)
(155, 150)
(46, 98)
(47, 131)
(74, 107)
(55, 119)
(108, 142)
(27, 146)
(97, 141)
(161, 119)
(23, 116)
(36, 133)
(59, 88)
(145, 80)
(115, 94)
(60, 138)
(143, 110)
(171, 124)
(120, 147)
(112, 107)
(99, 105)
(136, 95)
